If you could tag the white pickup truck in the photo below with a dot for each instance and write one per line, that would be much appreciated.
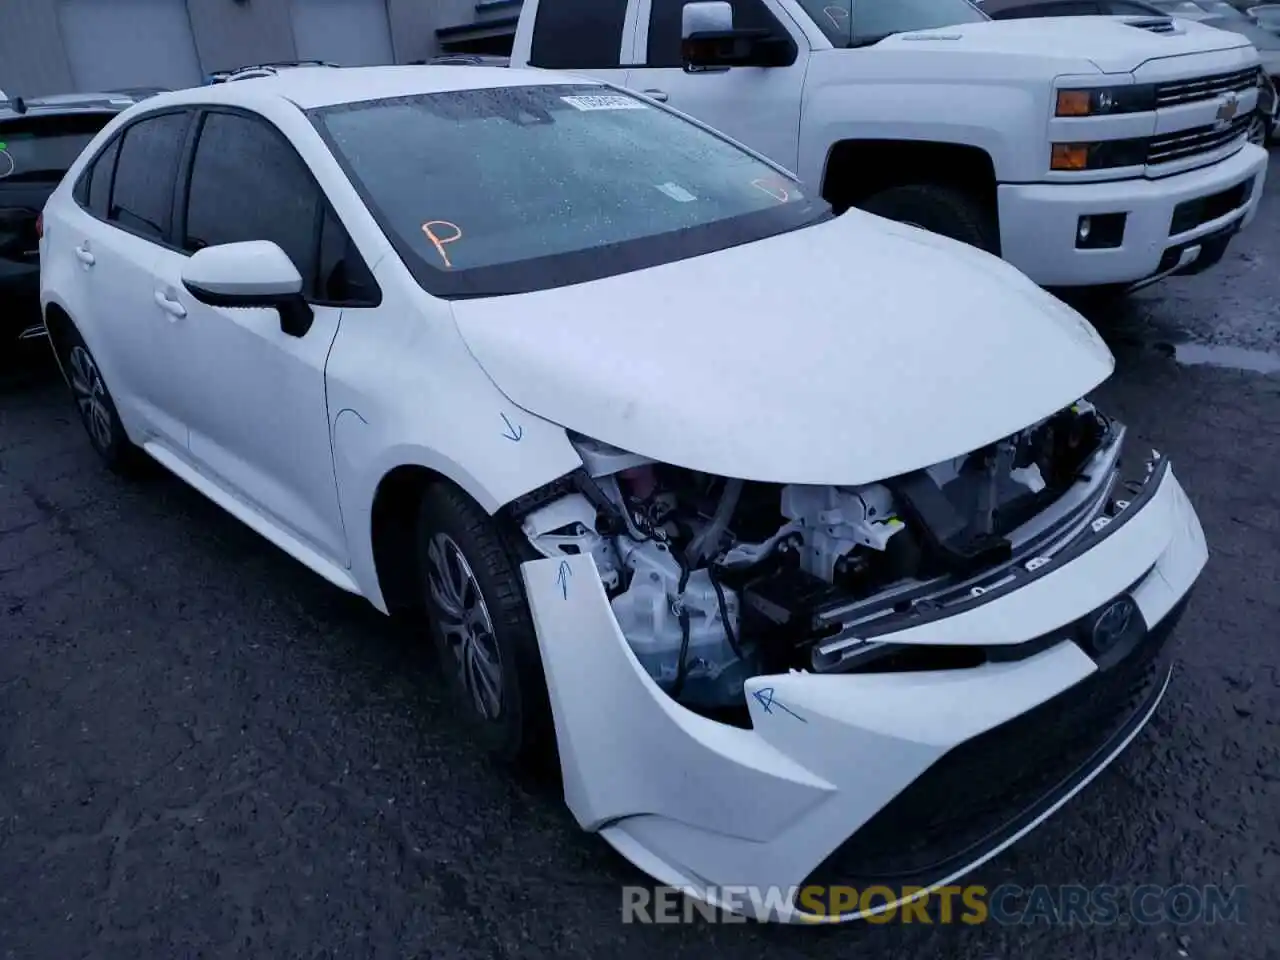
(1086, 151)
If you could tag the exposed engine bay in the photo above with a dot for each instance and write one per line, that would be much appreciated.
(714, 580)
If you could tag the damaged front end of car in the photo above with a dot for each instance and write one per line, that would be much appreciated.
(771, 685)
(716, 579)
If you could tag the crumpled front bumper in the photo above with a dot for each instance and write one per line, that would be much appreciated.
(709, 807)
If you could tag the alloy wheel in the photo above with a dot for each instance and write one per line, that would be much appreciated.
(90, 396)
(463, 617)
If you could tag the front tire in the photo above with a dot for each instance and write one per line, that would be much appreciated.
(481, 626)
(94, 403)
(938, 209)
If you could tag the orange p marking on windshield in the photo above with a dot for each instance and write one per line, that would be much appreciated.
(440, 242)
(777, 191)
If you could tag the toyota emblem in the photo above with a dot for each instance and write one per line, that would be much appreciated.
(1112, 624)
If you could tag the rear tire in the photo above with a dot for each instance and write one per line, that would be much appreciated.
(480, 624)
(938, 209)
(94, 403)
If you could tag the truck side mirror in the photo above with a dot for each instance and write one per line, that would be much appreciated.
(709, 40)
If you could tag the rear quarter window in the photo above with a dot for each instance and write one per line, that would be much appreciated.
(93, 190)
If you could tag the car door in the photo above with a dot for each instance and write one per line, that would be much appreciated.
(125, 224)
(253, 396)
(758, 106)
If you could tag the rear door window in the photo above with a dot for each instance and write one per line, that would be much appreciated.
(146, 170)
(37, 149)
(578, 34)
(104, 167)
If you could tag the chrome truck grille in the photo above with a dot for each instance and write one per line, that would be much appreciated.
(1174, 92)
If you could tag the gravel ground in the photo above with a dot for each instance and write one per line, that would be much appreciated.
(206, 751)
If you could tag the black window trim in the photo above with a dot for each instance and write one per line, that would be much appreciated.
(182, 188)
(167, 240)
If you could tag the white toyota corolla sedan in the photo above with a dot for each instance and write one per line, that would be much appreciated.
(792, 536)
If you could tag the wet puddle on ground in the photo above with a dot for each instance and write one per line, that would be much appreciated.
(1232, 358)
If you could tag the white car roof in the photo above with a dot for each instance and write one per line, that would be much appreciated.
(323, 87)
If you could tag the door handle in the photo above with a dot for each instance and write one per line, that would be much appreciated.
(659, 95)
(85, 256)
(170, 306)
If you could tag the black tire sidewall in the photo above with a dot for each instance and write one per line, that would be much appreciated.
(942, 210)
(523, 731)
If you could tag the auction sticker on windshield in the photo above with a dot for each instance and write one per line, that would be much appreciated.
(604, 102)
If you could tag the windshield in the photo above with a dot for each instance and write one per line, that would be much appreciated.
(507, 190)
(859, 23)
(44, 148)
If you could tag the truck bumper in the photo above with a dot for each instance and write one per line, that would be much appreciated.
(1039, 222)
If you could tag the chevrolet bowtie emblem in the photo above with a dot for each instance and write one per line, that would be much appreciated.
(1227, 109)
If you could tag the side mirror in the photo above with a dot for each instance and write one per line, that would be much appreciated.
(709, 40)
(256, 273)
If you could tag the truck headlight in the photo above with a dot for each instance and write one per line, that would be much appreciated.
(1103, 155)
(1106, 101)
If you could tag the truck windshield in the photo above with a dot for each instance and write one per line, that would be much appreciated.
(514, 189)
(860, 23)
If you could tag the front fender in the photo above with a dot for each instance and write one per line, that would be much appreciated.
(507, 469)
(404, 390)
(1008, 121)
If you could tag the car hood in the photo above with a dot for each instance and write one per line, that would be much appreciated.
(842, 353)
(1111, 44)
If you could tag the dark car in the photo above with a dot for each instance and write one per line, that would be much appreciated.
(1219, 14)
(39, 140)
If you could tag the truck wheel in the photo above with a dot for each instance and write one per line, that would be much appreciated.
(481, 627)
(942, 210)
